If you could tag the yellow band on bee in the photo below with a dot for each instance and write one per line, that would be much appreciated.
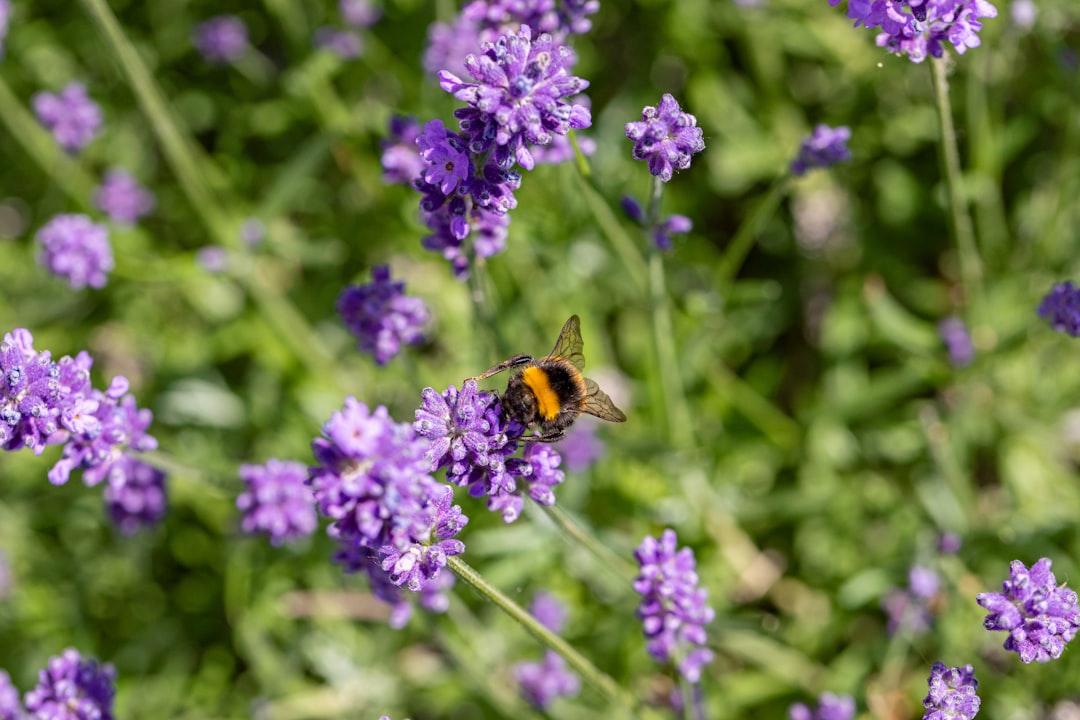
(547, 401)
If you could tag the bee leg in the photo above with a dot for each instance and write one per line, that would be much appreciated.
(552, 437)
(516, 361)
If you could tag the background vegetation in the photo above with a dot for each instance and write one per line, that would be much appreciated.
(829, 441)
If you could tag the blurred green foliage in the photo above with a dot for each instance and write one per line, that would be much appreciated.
(831, 441)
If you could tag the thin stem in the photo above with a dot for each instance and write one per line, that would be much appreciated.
(609, 558)
(747, 233)
(620, 240)
(677, 411)
(592, 675)
(970, 263)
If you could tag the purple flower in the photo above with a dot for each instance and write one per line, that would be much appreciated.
(10, 707)
(401, 159)
(221, 39)
(344, 43)
(957, 341)
(446, 158)
(830, 707)
(372, 481)
(1039, 616)
(358, 13)
(32, 393)
(75, 248)
(661, 234)
(822, 148)
(212, 258)
(949, 543)
(468, 434)
(70, 115)
(277, 501)
(99, 430)
(952, 693)
(673, 610)
(547, 609)
(135, 495)
(910, 609)
(252, 232)
(542, 682)
(666, 137)
(1024, 13)
(917, 28)
(72, 687)
(518, 96)
(122, 198)
(1061, 307)
(382, 316)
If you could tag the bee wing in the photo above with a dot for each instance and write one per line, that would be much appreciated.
(568, 346)
(599, 404)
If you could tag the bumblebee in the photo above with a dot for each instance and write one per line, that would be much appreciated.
(551, 392)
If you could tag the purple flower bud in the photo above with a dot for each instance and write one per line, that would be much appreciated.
(344, 43)
(401, 159)
(122, 198)
(75, 248)
(952, 693)
(1039, 616)
(70, 115)
(822, 148)
(73, 687)
(221, 39)
(542, 682)
(5, 17)
(10, 707)
(666, 138)
(212, 258)
(382, 316)
(135, 495)
(358, 13)
(673, 610)
(252, 232)
(1061, 307)
(957, 341)
(830, 707)
(277, 501)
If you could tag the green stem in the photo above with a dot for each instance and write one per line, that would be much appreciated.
(609, 558)
(620, 240)
(65, 172)
(592, 675)
(748, 231)
(968, 252)
(677, 411)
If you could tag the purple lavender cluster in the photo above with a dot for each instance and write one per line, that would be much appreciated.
(71, 687)
(45, 402)
(957, 339)
(666, 137)
(1061, 308)
(673, 610)
(918, 28)
(277, 501)
(390, 518)
(829, 707)
(381, 316)
(222, 39)
(122, 198)
(520, 98)
(952, 694)
(822, 148)
(663, 234)
(468, 435)
(1039, 616)
(70, 115)
(542, 682)
(484, 21)
(76, 249)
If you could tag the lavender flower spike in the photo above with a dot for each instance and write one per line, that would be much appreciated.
(10, 707)
(1061, 308)
(70, 115)
(1039, 616)
(382, 316)
(952, 693)
(122, 198)
(75, 248)
(822, 148)
(666, 137)
(72, 687)
(221, 39)
(277, 501)
(542, 682)
(673, 611)
(135, 496)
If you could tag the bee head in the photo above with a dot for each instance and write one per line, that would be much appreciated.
(519, 403)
